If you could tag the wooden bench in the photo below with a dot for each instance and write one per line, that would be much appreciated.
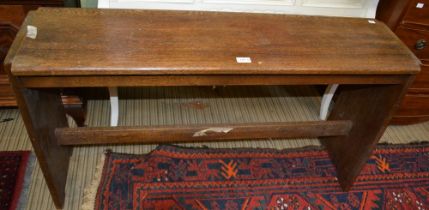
(130, 48)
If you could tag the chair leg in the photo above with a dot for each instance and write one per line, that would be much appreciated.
(75, 105)
(326, 100)
(114, 106)
(77, 112)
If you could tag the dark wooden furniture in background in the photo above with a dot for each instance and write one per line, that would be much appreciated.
(11, 18)
(409, 19)
(183, 48)
(12, 14)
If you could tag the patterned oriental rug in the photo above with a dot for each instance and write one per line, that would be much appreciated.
(396, 177)
(15, 168)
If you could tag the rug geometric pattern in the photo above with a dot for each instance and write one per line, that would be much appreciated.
(396, 177)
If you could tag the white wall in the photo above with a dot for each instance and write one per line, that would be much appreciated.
(348, 8)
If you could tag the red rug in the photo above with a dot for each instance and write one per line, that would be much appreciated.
(396, 177)
(13, 166)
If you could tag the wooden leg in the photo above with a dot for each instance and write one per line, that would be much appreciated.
(42, 112)
(75, 105)
(369, 108)
(77, 112)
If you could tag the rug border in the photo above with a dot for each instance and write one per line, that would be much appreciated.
(24, 195)
(92, 190)
(20, 177)
(204, 148)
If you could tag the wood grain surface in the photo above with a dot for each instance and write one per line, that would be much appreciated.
(145, 42)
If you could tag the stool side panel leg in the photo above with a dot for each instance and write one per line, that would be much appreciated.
(42, 111)
(370, 108)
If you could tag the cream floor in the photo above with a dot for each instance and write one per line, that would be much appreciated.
(150, 106)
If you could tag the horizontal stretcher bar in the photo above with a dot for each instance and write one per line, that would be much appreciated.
(195, 133)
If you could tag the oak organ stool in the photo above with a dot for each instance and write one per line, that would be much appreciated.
(372, 66)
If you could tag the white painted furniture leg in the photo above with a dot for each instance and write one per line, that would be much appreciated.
(326, 100)
(114, 106)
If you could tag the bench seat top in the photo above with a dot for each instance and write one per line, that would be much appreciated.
(73, 42)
